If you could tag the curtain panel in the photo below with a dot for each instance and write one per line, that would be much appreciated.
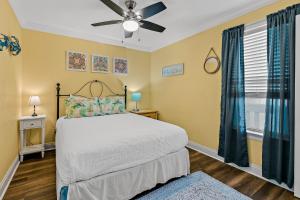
(233, 135)
(278, 142)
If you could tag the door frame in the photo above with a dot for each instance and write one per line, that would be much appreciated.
(297, 111)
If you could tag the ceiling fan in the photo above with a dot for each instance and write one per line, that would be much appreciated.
(134, 19)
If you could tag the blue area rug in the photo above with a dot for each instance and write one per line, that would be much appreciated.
(196, 186)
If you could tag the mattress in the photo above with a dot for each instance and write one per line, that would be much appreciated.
(94, 146)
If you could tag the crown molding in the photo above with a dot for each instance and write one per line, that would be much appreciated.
(205, 25)
(83, 35)
(71, 32)
(18, 12)
(213, 22)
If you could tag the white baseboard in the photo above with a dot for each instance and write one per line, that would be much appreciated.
(253, 169)
(13, 168)
(8, 177)
(50, 146)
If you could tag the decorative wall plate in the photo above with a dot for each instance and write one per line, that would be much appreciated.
(14, 46)
(4, 42)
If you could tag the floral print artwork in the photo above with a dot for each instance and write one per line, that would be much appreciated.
(100, 64)
(76, 61)
(120, 66)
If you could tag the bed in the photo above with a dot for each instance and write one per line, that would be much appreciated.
(116, 157)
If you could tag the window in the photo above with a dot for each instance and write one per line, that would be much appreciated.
(256, 76)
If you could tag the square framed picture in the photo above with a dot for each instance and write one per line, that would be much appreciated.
(120, 66)
(100, 64)
(76, 61)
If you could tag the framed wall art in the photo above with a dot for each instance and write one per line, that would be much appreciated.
(76, 61)
(173, 70)
(100, 64)
(120, 66)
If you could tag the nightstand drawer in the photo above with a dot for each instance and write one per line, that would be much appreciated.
(151, 115)
(147, 113)
(32, 124)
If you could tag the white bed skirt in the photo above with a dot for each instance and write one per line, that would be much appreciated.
(126, 184)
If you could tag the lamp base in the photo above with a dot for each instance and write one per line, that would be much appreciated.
(136, 107)
(34, 114)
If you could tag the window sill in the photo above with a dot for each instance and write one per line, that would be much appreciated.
(255, 135)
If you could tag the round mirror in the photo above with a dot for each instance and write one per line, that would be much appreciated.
(212, 65)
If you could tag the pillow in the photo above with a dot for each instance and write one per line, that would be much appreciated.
(112, 105)
(82, 107)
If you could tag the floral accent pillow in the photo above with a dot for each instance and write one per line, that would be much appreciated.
(112, 105)
(82, 107)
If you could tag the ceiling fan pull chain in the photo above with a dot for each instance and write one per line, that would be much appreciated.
(139, 38)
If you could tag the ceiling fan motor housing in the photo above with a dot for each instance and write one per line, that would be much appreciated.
(130, 4)
(130, 15)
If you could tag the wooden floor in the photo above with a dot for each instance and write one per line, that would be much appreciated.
(35, 179)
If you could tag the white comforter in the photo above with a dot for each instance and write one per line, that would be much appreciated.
(93, 146)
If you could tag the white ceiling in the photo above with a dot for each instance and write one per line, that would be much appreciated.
(182, 18)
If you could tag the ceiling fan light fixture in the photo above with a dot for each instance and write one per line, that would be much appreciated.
(131, 25)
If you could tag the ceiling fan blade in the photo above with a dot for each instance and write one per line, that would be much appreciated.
(128, 34)
(107, 23)
(114, 7)
(152, 26)
(151, 10)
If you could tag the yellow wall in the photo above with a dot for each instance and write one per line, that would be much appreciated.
(193, 100)
(44, 66)
(10, 91)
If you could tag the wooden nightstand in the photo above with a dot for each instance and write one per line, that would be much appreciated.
(26, 123)
(147, 113)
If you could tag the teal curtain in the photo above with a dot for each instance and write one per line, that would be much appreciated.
(233, 135)
(279, 133)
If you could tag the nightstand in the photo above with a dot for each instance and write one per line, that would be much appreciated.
(147, 113)
(27, 123)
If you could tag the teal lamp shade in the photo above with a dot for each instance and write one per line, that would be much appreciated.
(136, 96)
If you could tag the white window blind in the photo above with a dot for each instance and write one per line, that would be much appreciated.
(256, 76)
(255, 54)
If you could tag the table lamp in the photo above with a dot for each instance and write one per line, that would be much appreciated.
(34, 101)
(136, 96)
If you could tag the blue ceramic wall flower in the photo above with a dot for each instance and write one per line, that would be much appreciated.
(4, 42)
(14, 46)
